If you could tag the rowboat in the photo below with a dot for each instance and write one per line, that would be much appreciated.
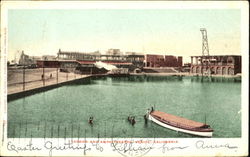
(180, 124)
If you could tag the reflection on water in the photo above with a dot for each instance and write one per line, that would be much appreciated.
(148, 78)
(145, 78)
(215, 79)
(64, 112)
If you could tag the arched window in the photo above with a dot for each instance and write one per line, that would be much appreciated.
(230, 60)
(218, 71)
(224, 71)
(230, 71)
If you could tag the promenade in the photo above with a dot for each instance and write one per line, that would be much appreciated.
(33, 79)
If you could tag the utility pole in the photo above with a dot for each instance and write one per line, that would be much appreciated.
(205, 51)
(57, 75)
(43, 75)
(24, 77)
(57, 65)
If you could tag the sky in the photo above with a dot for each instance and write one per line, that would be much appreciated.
(151, 31)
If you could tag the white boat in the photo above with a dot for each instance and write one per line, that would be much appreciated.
(180, 124)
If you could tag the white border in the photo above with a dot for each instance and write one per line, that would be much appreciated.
(125, 5)
(241, 143)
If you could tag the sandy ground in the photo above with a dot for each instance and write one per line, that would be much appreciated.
(33, 78)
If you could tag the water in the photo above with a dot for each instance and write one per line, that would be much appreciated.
(64, 112)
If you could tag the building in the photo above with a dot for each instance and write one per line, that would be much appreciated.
(218, 65)
(82, 67)
(114, 52)
(47, 64)
(186, 67)
(90, 67)
(172, 61)
(48, 57)
(179, 61)
(162, 61)
(114, 55)
(27, 60)
(154, 60)
(64, 55)
(35, 58)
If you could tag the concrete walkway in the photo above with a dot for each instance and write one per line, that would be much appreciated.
(33, 79)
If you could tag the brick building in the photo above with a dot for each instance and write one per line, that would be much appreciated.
(47, 64)
(219, 65)
(162, 61)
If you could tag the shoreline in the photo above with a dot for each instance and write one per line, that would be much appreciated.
(28, 92)
(184, 74)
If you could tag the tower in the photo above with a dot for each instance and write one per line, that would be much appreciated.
(205, 61)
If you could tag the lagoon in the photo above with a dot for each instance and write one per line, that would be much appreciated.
(63, 112)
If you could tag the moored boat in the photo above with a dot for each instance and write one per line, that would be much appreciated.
(180, 124)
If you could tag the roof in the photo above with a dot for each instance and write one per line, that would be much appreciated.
(47, 60)
(86, 62)
(67, 61)
(107, 62)
(176, 119)
(118, 63)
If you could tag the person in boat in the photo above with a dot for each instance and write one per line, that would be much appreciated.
(146, 115)
(148, 112)
(152, 109)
